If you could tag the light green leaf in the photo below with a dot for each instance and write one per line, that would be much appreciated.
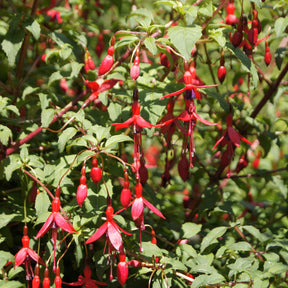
(184, 38)
(12, 43)
(150, 45)
(256, 233)
(10, 284)
(190, 229)
(117, 139)
(5, 134)
(6, 219)
(76, 67)
(240, 246)
(218, 36)
(280, 25)
(34, 28)
(44, 100)
(65, 52)
(150, 249)
(4, 258)
(46, 117)
(206, 8)
(212, 236)
(258, 3)
(100, 131)
(114, 111)
(281, 185)
(13, 109)
(29, 90)
(191, 14)
(65, 136)
(13, 165)
(54, 77)
(42, 203)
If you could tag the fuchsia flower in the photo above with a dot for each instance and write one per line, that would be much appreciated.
(25, 254)
(136, 121)
(122, 269)
(190, 87)
(231, 136)
(111, 228)
(139, 202)
(86, 281)
(54, 221)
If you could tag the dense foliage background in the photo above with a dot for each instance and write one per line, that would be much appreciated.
(226, 218)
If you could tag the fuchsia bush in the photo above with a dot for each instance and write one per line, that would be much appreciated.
(143, 143)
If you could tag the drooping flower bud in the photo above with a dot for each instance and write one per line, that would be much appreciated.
(36, 279)
(81, 191)
(96, 172)
(267, 56)
(108, 60)
(135, 69)
(46, 280)
(237, 37)
(58, 280)
(122, 269)
(183, 167)
(88, 63)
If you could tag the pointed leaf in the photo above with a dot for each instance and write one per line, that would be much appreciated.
(212, 236)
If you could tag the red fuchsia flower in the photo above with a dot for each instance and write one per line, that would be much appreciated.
(122, 269)
(25, 254)
(86, 281)
(97, 89)
(135, 69)
(137, 123)
(190, 86)
(125, 196)
(232, 138)
(137, 209)
(231, 19)
(139, 202)
(189, 117)
(54, 221)
(111, 228)
(55, 15)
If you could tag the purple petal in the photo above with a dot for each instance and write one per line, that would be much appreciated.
(46, 226)
(102, 229)
(114, 236)
(63, 224)
(137, 208)
(153, 208)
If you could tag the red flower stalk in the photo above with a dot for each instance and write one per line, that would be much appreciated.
(111, 228)
(122, 269)
(190, 88)
(25, 254)
(86, 281)
(54, 221)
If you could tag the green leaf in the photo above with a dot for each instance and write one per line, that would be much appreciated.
(114, 110)
(117, 139)
(66, 135)
(258, 3)
(76, 67)
(42, 203)
(280, 25)
(240, 246)
(150, 45)
(55, 76)
(46, 117)
(212, 236)
(206, 8)
(13, 165)
(44, 100)
(191, 14)
(150, 249)
(100, 131)
(281, 185)
(245, 61)
(29, 90)
(5, 134)
(203, 280)
(34, 28)
(13, 41)
(5, 257)
(218, 36)
(15, 271)
(256, 233)
(6, 219)
(279, 56)
(10, 284)
(184, 38)
(190, 229)
(65, 52)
